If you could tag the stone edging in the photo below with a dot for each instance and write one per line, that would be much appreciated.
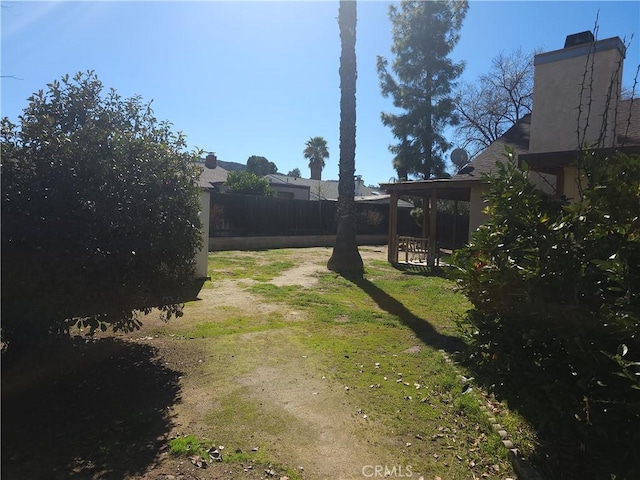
(519, 463)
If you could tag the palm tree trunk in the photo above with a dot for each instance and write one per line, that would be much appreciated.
(346, 259)
(316, 171)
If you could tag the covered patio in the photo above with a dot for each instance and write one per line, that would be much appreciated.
(424, 250)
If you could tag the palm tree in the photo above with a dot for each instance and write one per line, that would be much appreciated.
(316, 151)
(346, 259)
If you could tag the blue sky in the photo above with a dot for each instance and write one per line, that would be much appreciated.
(261, 78)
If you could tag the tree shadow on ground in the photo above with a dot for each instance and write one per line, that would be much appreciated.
(421, 327)
(79, 410)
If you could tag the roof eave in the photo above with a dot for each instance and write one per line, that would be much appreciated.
(548, 161)
(446, 188)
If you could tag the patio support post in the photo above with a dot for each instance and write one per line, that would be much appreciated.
(455, 224)
(392, 247)
(425, 217)
(433, 208)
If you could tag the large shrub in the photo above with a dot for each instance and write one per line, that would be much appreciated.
(555, 322)
(248, 183)
(99, 212)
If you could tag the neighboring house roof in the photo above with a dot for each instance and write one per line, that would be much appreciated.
(517, 137)
(212, 177)
(383, 199)
(321, 189)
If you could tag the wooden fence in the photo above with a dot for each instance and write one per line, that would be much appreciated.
(255, 216)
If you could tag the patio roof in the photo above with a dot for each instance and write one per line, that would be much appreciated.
(445, 188)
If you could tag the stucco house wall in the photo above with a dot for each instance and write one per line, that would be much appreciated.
(201, 255)
(575, 96)
(476, 207)
(577, 104)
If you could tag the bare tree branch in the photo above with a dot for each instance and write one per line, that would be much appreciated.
(496, 101)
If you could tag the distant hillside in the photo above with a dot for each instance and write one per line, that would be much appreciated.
(232, 166)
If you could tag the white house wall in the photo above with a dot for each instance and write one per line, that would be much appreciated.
(201, 255)
(575, 89)
(476, 206)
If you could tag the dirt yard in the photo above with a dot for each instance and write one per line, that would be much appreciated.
(57, 413)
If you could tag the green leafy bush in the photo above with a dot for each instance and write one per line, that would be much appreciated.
(248, 183)
(99, 212)
(555, 322)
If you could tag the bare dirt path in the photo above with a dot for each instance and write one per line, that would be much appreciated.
(317, 435)
(260, 390)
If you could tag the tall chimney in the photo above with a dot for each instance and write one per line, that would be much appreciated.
(358, 184)
(211, 161)
(575, 94)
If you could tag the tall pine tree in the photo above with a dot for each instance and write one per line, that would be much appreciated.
(421, 81)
